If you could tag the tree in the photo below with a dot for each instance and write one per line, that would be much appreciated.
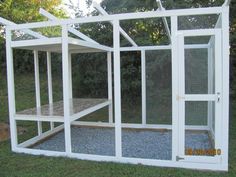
(22, 11)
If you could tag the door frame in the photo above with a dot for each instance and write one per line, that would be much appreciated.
(182, 97)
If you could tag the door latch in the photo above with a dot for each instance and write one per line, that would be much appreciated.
(178, 158)
(179, 97)
(218, 96)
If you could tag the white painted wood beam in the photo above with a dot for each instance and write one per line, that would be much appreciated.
(11, 90)
(37, 88)
(227, 3)
(117, 88)
(109, 86)
(66, 94)
(50, 90)
(143, 78)
(124, 16)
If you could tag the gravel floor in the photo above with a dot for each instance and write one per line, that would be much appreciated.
(135, 143)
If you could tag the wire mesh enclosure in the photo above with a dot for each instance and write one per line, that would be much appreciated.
(161, 101)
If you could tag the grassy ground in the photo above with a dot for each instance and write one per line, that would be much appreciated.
(21, 165)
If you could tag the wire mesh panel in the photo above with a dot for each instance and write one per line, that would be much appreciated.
(131, 87)
(145, 32)
(196, 71)
(89, 82)
(199, 142)
(150, 143)
(158, 87)
(197, 22)
(196, 113)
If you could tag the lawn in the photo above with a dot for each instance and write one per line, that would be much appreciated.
(22, 165)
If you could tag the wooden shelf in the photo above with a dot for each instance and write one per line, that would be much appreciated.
(79, 107)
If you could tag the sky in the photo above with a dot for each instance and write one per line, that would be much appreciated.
(81, 4)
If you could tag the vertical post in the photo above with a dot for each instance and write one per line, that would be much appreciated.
(70, 76)
(225, 89)
(109, 86)
(49, 72)
(143, 73)
(66, 85)
(37, 88)
(218, 89)
(11, 90)
(117, 89)
(181, 93)
(174, 62)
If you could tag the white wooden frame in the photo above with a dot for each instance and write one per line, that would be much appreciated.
(213, 97)
(68, 120)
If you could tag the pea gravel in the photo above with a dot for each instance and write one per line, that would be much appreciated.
(135, 143)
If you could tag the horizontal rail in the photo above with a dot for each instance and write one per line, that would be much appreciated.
(57, 40)
(200, 97)
(35, 42)
(199, 32)
(39, 118)
(163, 47)
(130, 160)
(89, 44)
(125, 16)
(135, 126)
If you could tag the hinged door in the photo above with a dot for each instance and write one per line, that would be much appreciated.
(199, 96)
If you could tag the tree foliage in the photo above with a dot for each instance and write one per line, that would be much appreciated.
(22, 11)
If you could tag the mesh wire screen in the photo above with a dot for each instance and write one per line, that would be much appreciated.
(199, 142)
(145, 32)
(89, 81)
(196, 71)
(131, 87)
(197, 22)
(196, 113)
(89, 75)
(158, 87)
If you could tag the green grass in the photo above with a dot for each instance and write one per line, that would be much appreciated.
(22, 165)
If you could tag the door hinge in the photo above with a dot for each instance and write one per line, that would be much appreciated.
(178, 158)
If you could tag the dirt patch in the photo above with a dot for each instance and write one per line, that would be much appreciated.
(5, 131)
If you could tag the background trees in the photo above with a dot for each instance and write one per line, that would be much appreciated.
(144, 32)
